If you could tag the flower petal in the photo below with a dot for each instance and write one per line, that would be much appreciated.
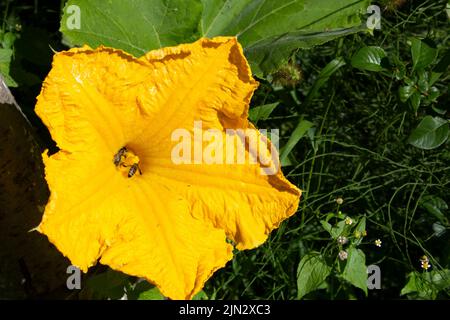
(238, 198)
(210, 81)
(133, 225)
(81, 187)
(89, 97)
(163, 243)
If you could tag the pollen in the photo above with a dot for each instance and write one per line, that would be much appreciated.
(127, 162)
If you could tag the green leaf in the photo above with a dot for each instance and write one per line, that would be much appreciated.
(110, 284)
(423, 53)
(430, 133)
(5, 61)
(439, 278)
(335, 231)
(435, 206)
(333, 215)
(311, 133)
(8, 40)
(355, 270)
(304, 126)
(32, 56)
(152, 294)
(434, 93)
(438, 229)
(398, 67)
(426, 285)
(324, 75)
(143, 290)
(423, 85)
(301, 129)
(369, 58)
(270, 30)
(219, 16)
(415, 100)
(266, 56)
(261, 112)
(5, 55)
(135, 26)
(414, 284)
(200, 296)
(326, 226)
(360, 227)
(411, 82)
(136, 289)
(338, 230)
(406, 92)
(434, 77)
(440, 68)
(311, 273)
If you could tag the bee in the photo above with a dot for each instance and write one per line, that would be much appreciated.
(118, 155)
(134, 168)
(126, 159)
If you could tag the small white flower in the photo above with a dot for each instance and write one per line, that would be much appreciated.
(425, 263)
(378, 243)
(342, 240)
(343, 255)
(339, 201)
(348, 221)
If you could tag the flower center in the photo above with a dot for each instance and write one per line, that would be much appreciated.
(127, 162)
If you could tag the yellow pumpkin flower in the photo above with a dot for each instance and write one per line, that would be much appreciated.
(118, 197)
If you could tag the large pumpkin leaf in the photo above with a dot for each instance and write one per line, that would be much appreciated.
(268, 30)
(135, 26)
